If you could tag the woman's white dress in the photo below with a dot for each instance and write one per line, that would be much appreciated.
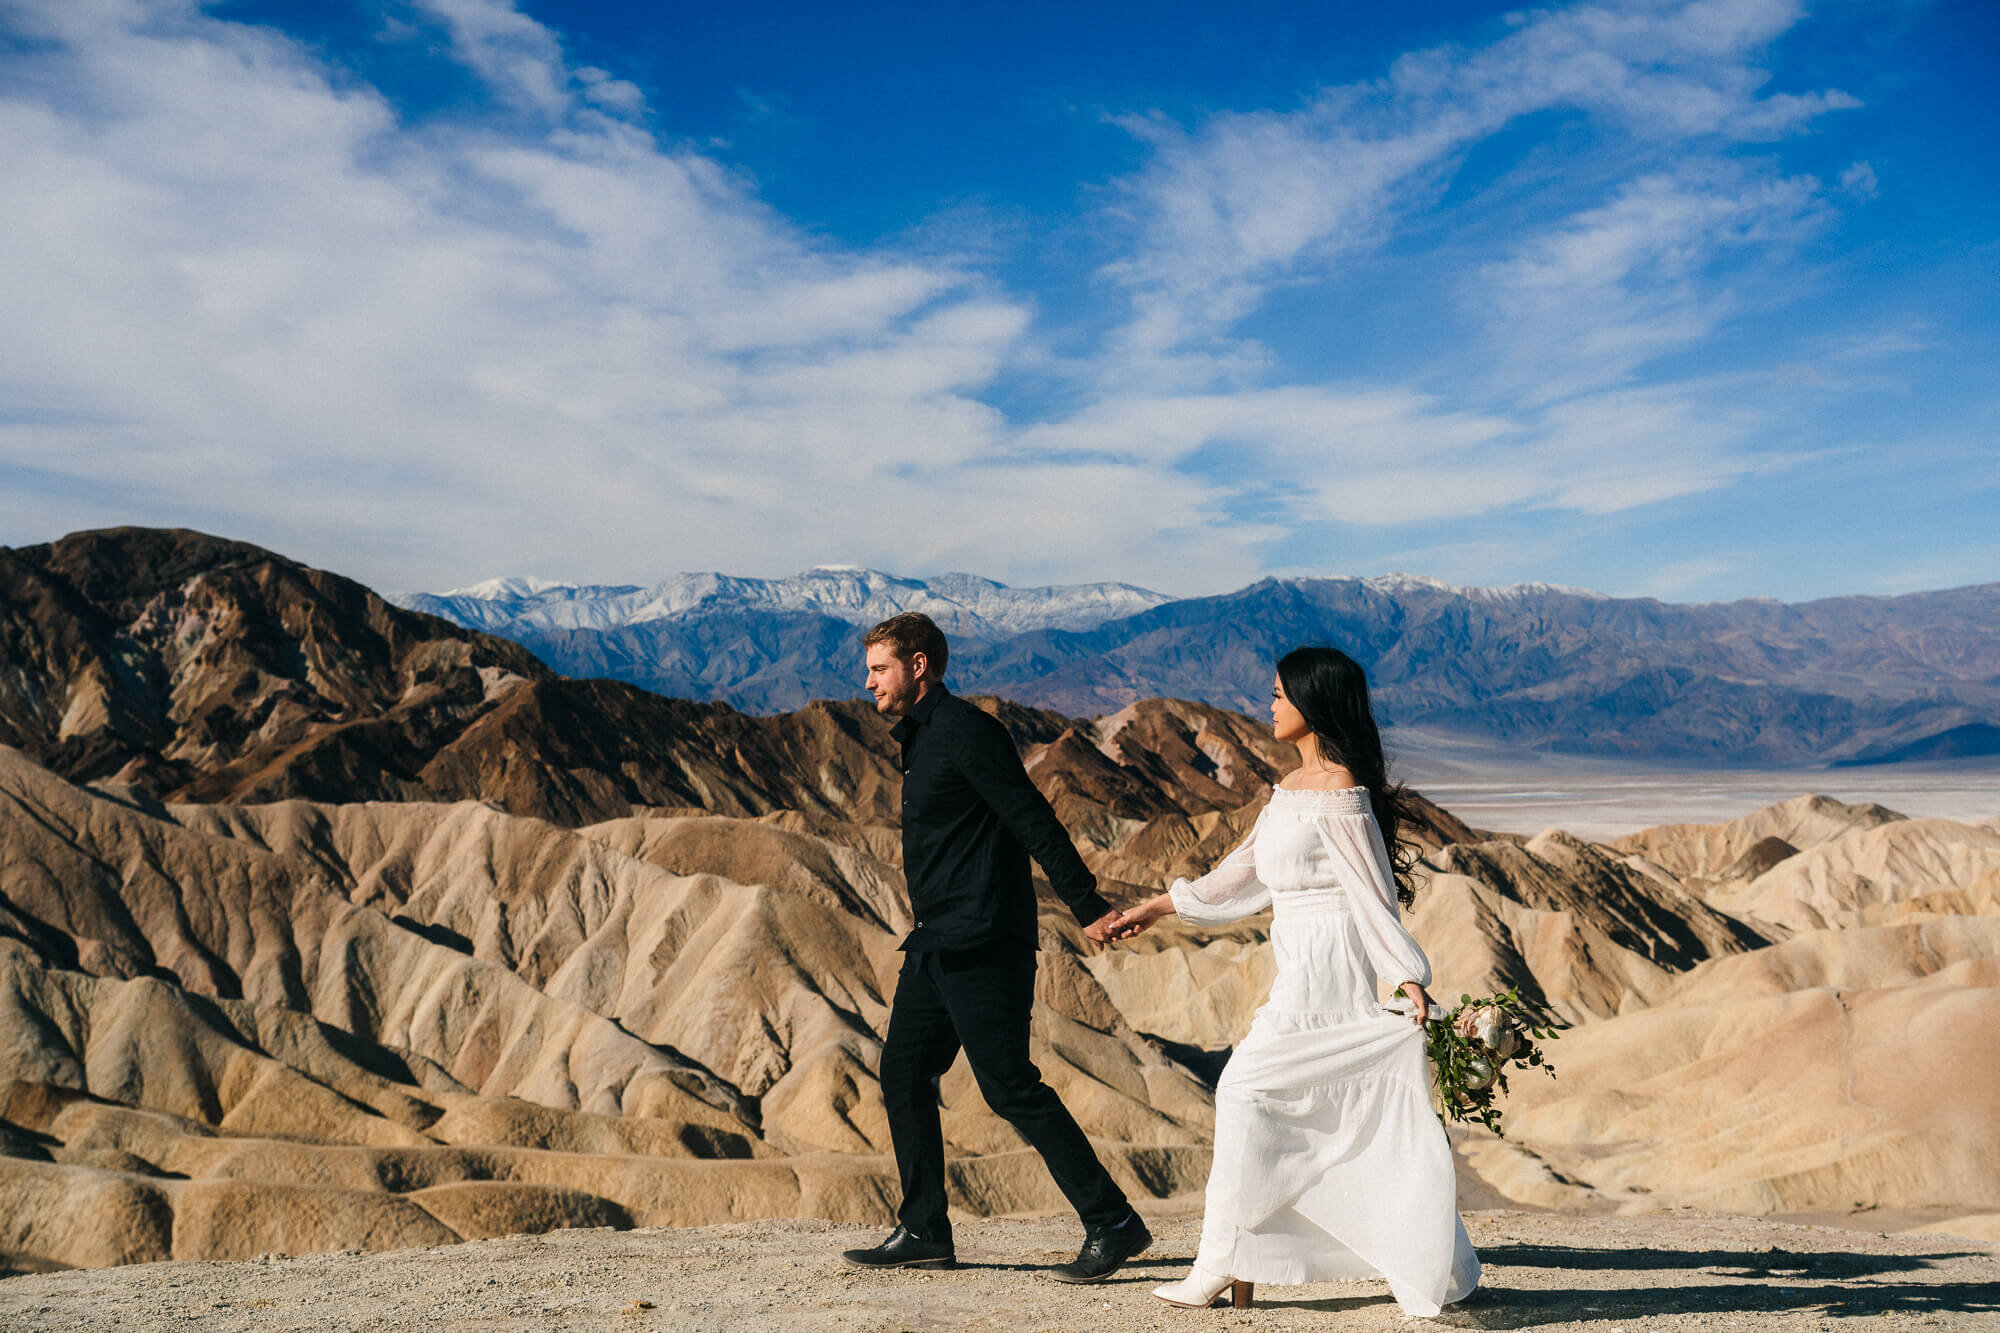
(1329, 1162)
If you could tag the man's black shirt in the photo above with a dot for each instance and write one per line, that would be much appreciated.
(971, 820)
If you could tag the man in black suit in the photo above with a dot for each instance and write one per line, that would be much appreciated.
(971, 820)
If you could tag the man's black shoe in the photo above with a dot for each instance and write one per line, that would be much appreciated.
(905, 1249)
(1104, 1249)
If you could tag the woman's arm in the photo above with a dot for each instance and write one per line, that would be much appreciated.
(1227, 893)
(1361, 861)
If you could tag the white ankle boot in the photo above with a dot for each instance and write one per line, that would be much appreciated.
(1198, 1290)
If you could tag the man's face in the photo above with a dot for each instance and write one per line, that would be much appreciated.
(896, 684)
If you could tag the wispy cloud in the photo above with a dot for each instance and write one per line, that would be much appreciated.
(523, 61)
(1659, 243)
(1244, 202)
(258, 297)
(1585, 304)
(252, 293)
(1679, 580)
(1859, 180)
(516, 56)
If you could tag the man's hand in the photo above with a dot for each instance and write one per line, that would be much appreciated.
(1103, 930)
(1135, 919)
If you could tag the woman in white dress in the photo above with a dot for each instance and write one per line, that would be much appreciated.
(1329, 1163)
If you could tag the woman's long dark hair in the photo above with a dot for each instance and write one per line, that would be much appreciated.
(1330, 690)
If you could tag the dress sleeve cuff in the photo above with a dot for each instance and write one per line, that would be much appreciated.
(1190, 908)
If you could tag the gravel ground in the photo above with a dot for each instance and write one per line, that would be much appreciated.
(1543, 1270)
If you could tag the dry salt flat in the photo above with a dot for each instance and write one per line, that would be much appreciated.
(1610, 802)
(1647, 1274)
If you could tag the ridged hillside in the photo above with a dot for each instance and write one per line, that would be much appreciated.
(324, 926)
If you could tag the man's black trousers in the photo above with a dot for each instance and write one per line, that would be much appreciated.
(978, 999)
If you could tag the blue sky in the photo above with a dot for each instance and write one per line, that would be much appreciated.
(1684, 299)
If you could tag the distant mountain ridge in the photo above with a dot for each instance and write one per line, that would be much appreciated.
(168, 665)
(1844, 679)
(962, 604)
(1753, 682)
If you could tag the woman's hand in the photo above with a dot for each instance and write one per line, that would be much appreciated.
(1418, 998)
(1135, 919)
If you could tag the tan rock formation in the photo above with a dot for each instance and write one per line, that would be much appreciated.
(1580, 930)
(1192, 988)
(495, 1019)
(1762, 1083)
(1703, 854)
(776, 986)
(107, 890)
(1869, 873)
(562, 953)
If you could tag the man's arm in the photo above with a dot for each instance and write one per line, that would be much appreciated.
(987, 758)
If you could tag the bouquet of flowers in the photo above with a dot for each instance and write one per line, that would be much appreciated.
(1471, 1047)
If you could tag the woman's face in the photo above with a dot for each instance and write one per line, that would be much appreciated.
(1287, 723)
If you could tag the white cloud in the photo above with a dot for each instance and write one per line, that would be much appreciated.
(248, 295)
(1584, 304)
(1657, 247)
(1894, 340)
(1860, 181)
(1247, 201)
(1377, 458)
(520, 59)
(1679, 580)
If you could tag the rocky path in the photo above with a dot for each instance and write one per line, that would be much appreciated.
(1544, 1271)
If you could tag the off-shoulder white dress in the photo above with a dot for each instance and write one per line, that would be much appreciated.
(1329, 1163)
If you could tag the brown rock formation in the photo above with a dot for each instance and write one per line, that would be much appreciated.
(359, 1006)
(198, 669)
(190, 668)
(384, 936)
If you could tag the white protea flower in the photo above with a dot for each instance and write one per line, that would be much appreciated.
(1500, 1036)
(1487, 1025)
(1479, 1074)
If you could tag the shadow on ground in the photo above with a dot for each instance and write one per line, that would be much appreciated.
(1827, 1284)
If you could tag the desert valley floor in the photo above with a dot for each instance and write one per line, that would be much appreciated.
(1606, 801)
(1665, 1273)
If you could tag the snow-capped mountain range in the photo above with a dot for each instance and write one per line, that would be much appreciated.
(1401, 583)
(961, 604)
(1532, 664)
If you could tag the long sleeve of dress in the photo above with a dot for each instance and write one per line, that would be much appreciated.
(1227, 893)
(1354, 841)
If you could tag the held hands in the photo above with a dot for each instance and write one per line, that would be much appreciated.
(1114, 926)
(1135, 919)
(1103, 930)
(1124, 925)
